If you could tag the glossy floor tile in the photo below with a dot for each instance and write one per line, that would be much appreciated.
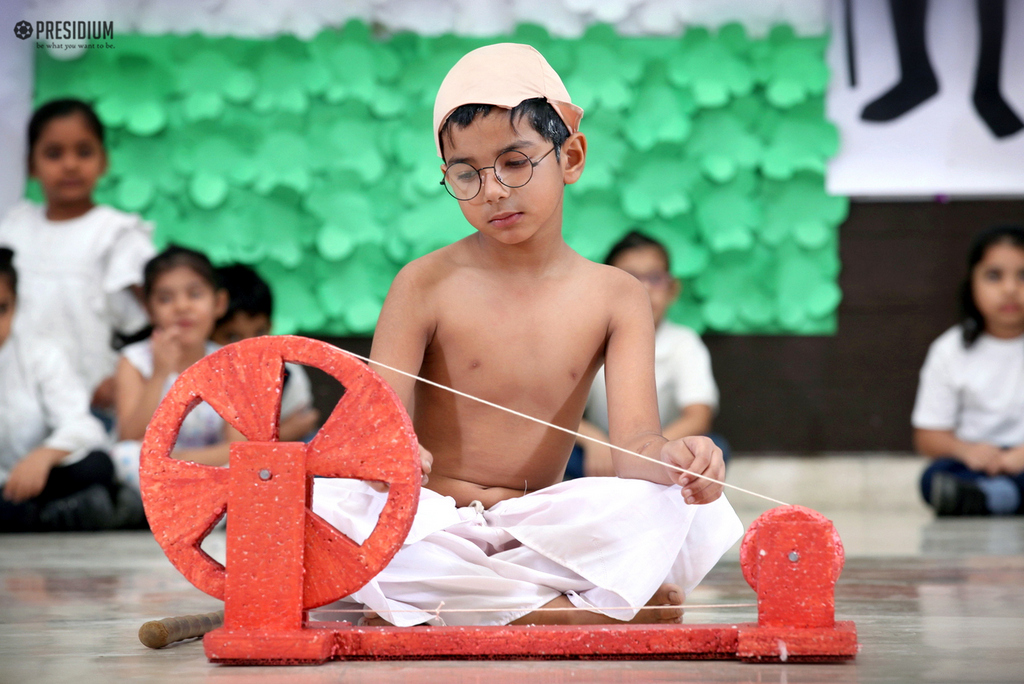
(934, 601)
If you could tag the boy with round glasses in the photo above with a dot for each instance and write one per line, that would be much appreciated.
(511, 314)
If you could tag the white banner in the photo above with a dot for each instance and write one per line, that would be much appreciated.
(953, 125)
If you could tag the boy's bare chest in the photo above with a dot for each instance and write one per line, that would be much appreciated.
(539, 338)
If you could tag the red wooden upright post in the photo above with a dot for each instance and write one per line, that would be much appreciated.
(263, 599)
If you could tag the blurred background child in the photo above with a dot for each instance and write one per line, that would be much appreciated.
(184, 302)
(250, 307)
(54, 475)
(969, 413)
(79, 262)
(687, 393)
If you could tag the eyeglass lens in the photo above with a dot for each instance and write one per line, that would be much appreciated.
(512, 168)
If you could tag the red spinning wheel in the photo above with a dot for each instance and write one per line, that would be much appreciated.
(368, 436)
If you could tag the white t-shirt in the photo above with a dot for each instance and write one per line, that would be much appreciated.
(978, 392)
(42, 403)
(682, 372)
(73, 280)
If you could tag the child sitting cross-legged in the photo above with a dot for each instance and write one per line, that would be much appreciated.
(969, 413)
(511, 314)
(250, 306)
(54, 473)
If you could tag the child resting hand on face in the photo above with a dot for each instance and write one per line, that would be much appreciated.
(512, 315)
(969, 412)
(80, 263)
(184, 302)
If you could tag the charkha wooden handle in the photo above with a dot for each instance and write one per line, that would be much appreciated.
(159, 633)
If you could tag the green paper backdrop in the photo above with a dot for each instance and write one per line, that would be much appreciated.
(313, 161)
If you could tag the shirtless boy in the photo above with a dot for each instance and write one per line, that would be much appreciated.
(513, 315)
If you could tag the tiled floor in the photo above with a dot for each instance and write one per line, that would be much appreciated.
(938, 601)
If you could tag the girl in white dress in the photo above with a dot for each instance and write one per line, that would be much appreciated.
(80, 263)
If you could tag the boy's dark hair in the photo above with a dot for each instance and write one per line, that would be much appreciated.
(247, 292)
(55, 109)
(973, 324)
(538, 111)
(7, 270)
(174, 257)
(634, 240)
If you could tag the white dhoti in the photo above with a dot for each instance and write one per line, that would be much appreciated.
(605, 543)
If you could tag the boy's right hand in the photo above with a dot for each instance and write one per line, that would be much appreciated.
(166, 350)
(426, 462)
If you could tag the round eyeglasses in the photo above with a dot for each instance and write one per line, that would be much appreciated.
(512, 168)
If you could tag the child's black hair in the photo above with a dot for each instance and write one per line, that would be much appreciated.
(538, 111)
(174, 257)
(973, 323)
(247, 292)
(634, 240)
(55, 109)
(7, 270)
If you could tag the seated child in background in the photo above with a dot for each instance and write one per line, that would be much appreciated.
(53, 473)
(250, 305)
(80, 263)
(184, 302)
(687, 393)
(969, 413)
(513, 315)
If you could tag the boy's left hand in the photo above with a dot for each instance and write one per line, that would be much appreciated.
(701, 456)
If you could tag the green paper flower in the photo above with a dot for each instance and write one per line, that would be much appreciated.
(296, 307)
(137, 98)
(722, 145)
(287, 77)
(603, 75)
(799, 144)
(660, 184)
(712, 72)
(727, 218)
(208, 79)
(800, 208)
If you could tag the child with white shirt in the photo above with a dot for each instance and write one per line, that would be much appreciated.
(53, 473)
(969, 413)
(80, 263)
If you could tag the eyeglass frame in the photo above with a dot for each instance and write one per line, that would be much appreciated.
(480, 175)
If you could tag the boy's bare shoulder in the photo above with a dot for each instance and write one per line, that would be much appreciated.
(614, 283)
(426, 272)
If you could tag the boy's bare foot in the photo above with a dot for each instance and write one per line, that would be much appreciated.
(373, 620)
(665, 607)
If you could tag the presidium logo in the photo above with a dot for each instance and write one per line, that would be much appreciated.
(65, 31)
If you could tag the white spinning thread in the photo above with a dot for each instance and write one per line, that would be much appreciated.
(565, 430)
